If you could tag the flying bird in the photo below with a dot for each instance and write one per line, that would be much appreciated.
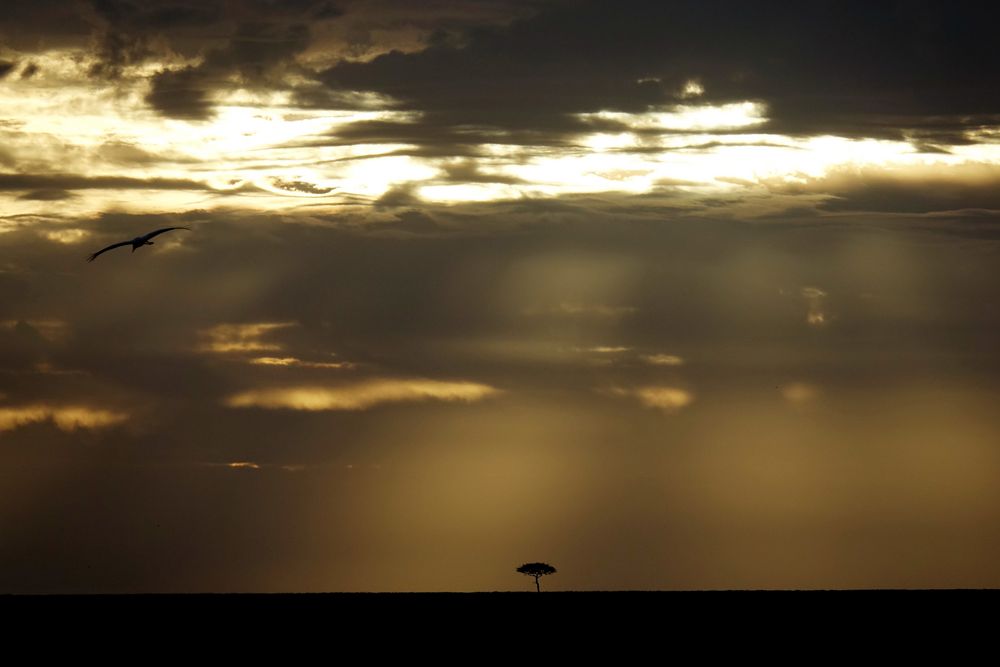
(137, 242)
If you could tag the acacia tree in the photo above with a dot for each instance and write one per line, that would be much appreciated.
(536, 570)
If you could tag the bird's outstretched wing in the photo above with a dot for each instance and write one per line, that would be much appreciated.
(160, 231)
(110, 247)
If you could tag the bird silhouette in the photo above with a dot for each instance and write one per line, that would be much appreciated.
(137, 242)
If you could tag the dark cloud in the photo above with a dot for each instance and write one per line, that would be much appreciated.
(327, 10)
(116, 51)
(182, 93)
(300, 186)
(247, 39)
(129, 154)
(76, 182)
(6, 67)
(29, 70)
(23, 345)
(125, 31)
(43, 24)
(399, 195)
(903, 70)
(252, 54)
(182, 15)
(435, 135)
(915, 190)
(467, 171)
(47, 194)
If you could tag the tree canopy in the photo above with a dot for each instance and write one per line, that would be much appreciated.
(536, 570)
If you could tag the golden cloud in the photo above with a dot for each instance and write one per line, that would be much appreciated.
(361, 395)
(662, 359)
(299, 363)
(253, 465)
(668, 399)
(66, 418)
(227, 338)
(688, 117)
(66, 235)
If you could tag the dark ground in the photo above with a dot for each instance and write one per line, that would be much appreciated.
(714, 604)
(472, 627)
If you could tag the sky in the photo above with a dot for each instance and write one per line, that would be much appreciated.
(670, 295)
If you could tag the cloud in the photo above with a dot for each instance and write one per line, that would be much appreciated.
(361, 395)
(66, 418)
(303, 187)
(253, 54)
(182, 93)
(243, 465)
(905, 75)
(67, 235)
(228, 338)
(468, 65)
(299, 363)
(53, 186)
(684, 117)
(51, 194)
(907, 189)
(662, 359)
(816, 315)
(257, 465)
(665, 398)
(578, 309)
(468, 171)
(116, 51)
(401, 194)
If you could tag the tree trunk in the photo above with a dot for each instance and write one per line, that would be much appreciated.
(538, 589)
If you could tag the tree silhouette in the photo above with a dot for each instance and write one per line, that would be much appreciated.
(536, 570)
